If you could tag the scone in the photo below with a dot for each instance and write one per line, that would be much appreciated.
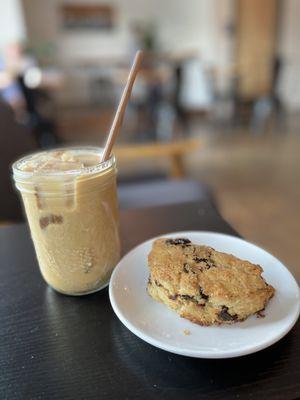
(203, 285)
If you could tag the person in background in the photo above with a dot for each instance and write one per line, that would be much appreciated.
(14, 65)
(20, 82)
(10, 91)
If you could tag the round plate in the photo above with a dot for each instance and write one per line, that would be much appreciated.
(164, 328)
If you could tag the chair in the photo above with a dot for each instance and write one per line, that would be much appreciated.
(15, 140)
(174, 151)
(162, 192)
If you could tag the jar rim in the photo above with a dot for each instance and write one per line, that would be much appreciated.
(94, 169)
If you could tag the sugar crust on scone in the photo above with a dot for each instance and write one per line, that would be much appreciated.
(204, 285)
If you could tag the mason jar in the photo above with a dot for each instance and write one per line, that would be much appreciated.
(70, 200)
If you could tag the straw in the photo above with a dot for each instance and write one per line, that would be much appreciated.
(118, 119)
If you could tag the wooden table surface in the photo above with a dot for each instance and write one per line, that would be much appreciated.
(60, 347)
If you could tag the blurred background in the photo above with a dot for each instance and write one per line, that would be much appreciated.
(216, 105)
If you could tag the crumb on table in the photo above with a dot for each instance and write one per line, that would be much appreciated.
(186, 332)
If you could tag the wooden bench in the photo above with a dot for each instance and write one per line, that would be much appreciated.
(174, 151)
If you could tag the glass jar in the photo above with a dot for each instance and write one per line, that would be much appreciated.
(73, 217)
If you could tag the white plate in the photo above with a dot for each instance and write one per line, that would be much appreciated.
(163, 328)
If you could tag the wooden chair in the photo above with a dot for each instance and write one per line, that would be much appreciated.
(174, 151)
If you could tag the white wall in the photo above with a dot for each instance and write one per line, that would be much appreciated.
(12, 27)
(181, 25)
(188, 24)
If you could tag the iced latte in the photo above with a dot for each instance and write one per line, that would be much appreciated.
(71, 205)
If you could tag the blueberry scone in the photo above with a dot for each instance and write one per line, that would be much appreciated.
(203, 285)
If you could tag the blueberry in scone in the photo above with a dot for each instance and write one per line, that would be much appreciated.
(204, 285)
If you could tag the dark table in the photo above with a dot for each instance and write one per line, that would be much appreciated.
(59, 347)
